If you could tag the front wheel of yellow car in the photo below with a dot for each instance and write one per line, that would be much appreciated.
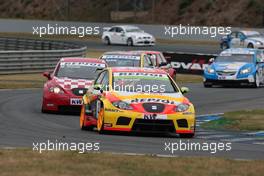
(100, 121)
(82, 120)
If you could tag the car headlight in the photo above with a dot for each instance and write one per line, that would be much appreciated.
(210, 70)
(122, 105)
(259, 43)
(245, 71)
(55, 90)
(139, 37)
(182, 107)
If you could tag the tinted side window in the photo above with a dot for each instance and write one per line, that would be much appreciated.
(233, 34)
(113, 29)
(147, 62)
(118, 29)
(260, 56)
(153, 59)
(240, 35)
(105, 81)
(100, 78)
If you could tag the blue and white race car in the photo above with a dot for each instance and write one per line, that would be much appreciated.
(243, 39)
(242, 66)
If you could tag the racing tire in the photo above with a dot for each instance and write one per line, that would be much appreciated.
(43, 110)
(187, 135)
(256, 84)
(130, 42)
(207, 84)
(250, 45)
(100, 122)
(107, 41)
(82, 121)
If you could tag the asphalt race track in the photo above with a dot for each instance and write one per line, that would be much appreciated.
(22, 123)
(179, 47)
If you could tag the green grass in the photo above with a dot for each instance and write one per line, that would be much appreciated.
(24, 162)
(249, 120)
(19, 81)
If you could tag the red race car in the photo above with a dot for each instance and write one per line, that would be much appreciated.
(68, 83)
(159, 61)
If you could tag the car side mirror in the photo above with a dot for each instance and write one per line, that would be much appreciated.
(47, 75)
(184, 90)
(98, 87)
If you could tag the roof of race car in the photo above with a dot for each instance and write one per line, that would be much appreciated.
(126, 26)
(238, 51)
(145, 52)
(121, 53)
(137, 69)
(81, 59)
(248, 32)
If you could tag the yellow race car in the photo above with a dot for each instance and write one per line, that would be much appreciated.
(137, 99)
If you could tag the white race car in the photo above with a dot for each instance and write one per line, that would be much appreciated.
(243, 39)
(127, 35)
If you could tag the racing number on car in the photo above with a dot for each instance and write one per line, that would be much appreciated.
(150, 116)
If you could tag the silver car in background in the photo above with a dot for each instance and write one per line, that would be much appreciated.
(127, 35)
(243, 39)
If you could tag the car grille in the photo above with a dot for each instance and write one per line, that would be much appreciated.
(182, 123)
(79, 91)
(153, 107)
(153, 125)
(146, 37)
(226, 73)
(123, 120)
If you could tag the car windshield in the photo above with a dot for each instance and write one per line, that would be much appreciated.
(79, 70)
(133, 30)
(235, 58)
(122, 60)
(143, 82)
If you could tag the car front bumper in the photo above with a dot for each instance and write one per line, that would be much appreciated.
(144, 42)
(61, 102)
(125, 120)
(235, 79)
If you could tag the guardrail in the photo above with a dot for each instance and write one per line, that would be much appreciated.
(33, 56)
